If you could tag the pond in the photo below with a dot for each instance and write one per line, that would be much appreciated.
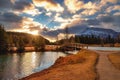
(15, 66)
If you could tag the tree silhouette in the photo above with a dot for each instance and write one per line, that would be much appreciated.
(3, 40)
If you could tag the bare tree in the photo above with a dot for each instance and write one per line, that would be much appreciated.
(66, 33)
(66, 41)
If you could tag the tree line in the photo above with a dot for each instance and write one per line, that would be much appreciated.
(20, 41)
(92, 39)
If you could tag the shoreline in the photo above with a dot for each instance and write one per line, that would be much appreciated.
(33, 50)
(83, 63)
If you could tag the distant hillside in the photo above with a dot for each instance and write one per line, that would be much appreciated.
(94, 36)
(27, 39)
(98, 36)
(83, 30)
(103, 33)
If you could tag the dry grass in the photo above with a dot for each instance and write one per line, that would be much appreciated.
(115, 59)
(74, 67)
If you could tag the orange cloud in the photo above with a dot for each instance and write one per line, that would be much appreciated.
(58, 18)
(49, 5)
(31, 10)
(90, 5)
(111, 8)
(90, 8)
(25, 7)
(104, 2)
(27, 25)
(89, 12)
(73, 5)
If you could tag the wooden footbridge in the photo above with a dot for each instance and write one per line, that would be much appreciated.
(73, 46)
(78, 45)
(67, 47)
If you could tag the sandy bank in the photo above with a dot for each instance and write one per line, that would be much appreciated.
(80, 66)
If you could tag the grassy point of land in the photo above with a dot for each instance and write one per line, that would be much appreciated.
(115, 59)
(80, 66)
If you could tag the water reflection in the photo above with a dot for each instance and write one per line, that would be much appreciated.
(15, 66)
(48, 59)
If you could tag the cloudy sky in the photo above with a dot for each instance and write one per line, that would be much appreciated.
(50, 17)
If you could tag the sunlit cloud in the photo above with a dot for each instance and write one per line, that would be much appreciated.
(113, 8)
(89, 12)
(62, 36)
(49, 13)
(90, 5)
(58, 18)
(90, 9)
(116, 14)
(104, 2)
(31, 25)
(49, 5)
(35, 32)
(76, 16)
(25, 7)
(73, 5)
(32, 12)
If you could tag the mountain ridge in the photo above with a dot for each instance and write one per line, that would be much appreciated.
(101, 32)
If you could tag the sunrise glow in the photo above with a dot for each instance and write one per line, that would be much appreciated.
(50, 17)
(34, 32)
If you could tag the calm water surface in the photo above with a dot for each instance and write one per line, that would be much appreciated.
(15, 66)
(105, 48)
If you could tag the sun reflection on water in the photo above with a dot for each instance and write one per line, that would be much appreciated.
(16, 66)
(33, 59)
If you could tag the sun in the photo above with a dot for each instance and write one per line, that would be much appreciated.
(34, 32)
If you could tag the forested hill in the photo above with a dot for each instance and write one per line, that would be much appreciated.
(8, 40)
(25, 39)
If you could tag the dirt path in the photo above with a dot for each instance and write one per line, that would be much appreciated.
(105, 69)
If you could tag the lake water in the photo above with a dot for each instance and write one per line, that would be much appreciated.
(15, 66)
(105, 48)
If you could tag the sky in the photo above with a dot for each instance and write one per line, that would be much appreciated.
(49, 18)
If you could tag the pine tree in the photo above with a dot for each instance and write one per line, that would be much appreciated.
(3, 40)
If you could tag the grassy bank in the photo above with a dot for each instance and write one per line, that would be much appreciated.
(73, 67)
(115, 59)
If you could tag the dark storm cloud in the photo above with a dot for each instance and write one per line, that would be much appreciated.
(14, 4)
(114, 19)
(5, 4)
(52, 33)
(93, 22)
(20, 5)
(10, 17)
(76, 29)
(109, 22)
(107, 19)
